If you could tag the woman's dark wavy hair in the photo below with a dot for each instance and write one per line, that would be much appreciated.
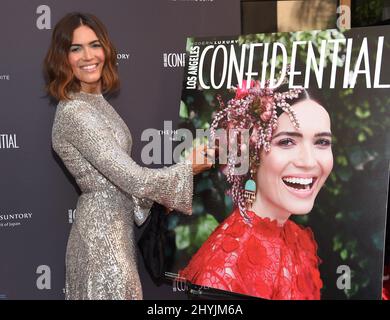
(60, 79)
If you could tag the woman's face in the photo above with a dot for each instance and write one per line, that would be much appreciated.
(86, 58)
(290, 176)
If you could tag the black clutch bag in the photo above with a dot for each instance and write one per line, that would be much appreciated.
(157, 244)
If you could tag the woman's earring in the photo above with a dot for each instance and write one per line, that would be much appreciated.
(250, 191)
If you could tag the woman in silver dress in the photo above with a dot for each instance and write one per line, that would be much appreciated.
(95, 145)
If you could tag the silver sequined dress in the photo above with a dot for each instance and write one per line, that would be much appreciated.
(94, 143)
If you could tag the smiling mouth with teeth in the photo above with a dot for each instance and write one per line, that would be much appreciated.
(89, 67)
(299, 183)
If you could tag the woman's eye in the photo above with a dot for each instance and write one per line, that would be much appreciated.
(285, 142)
(74, 49)
(324, 142)
(96, 45)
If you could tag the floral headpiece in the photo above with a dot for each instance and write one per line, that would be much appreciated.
(254, 109)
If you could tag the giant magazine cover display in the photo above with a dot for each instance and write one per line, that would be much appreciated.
(295, 205)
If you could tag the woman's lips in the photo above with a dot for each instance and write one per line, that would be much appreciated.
(89, 67)
(300, 186)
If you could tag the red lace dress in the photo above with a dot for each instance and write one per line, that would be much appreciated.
(263, 260)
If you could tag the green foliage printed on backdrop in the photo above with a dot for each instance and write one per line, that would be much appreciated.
(356, 124)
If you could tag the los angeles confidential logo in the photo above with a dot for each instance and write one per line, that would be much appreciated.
(8, 141)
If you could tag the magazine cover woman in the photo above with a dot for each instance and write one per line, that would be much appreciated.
(257, 250)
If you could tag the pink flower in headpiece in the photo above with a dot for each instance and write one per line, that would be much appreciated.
(242, 91)
(267, 106)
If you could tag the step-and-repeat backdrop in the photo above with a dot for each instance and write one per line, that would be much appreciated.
(37, 195)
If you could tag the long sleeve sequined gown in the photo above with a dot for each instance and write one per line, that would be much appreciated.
(94, 143)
